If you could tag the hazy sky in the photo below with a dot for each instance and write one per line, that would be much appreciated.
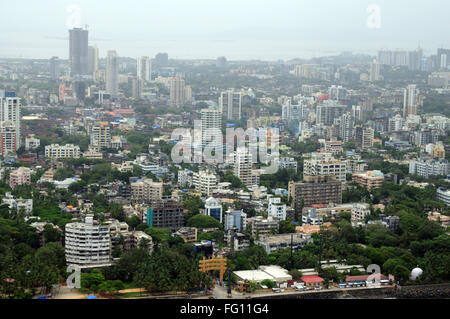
(237, 29)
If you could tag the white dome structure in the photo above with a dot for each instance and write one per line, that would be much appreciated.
(416, 272)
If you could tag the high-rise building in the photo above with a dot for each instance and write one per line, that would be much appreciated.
(78, 51)
(165, 214)
(54, 68)
(364, 136)
(415, 59)
(211, 128)
(177, 91)
(101, 135)
(327, 111)
(230, 105)
(88, 244)
(443, 58)
(112, 74)
(410, 100)
(161, 60)
(144, 69)
(8, 138)
(374, 71)
(92, 59)
(243, 166)
(10, 111)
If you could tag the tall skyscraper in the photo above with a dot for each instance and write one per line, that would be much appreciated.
(364, 136)
(92, 59)
(54, 68)
(161, 60)
(177, 91)
(10, 117)
(374, 72)
(211, 128)
(230, 104)
(112, 74)
(410, 100)
(443, 58)
(415, 59)
(144, 69)
(78, 51)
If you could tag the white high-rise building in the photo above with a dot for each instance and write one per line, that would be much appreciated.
(230, 105)
(410, 100)
(87, 244)
(8, 138)
(243, 161)
(211, 128)
(112, 74)
(144, 69)
(10, 111)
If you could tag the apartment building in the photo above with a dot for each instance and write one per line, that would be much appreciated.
(429, 167)
(205, 182)
(88, 243)
(323, 164)
(101, 135)
(236, 218)
(165, 214)
(20, 176)
(263, 226)
(56, 151)
(315, 190)
(279, 242)
(334, 147)
(146, 190)
(369, 179)
(360, 211)
(276, 208)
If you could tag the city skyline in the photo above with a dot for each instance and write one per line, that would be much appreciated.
(272, 31)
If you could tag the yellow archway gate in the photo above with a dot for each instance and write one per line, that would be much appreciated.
(213, 263)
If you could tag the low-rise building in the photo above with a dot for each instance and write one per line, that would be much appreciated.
(18, 203)
(62, 151)
(276, 208)
(278, 242)
(443, 195)
(262, 227)
(429, 167)
(188, 234)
